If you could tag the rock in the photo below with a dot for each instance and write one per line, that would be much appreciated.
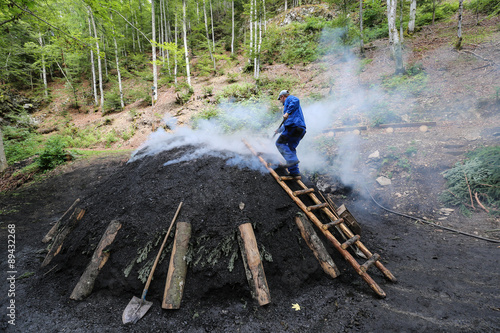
(423, 128)
(28, 106)
(375, 155)
(356, 132)
(383, 181)
(323, 186)
(389, 130)
(446, 211)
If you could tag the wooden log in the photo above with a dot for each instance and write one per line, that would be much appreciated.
(63, 232)
(86, 283)
(418, 124)
(176, 277)
(350, 221)
(253, 265)
(48, 237)
(312, 240)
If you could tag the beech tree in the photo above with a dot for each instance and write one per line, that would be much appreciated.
(458, 45)
(413, 12)
(394, 38)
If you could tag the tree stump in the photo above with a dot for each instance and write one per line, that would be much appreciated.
(315, 244)
(253, 265)
(86, 283)
(176, 277)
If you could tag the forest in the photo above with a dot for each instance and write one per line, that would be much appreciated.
(105, 55)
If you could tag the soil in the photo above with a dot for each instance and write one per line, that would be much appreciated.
(446, 281)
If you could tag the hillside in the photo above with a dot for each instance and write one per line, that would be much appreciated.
(363, 123)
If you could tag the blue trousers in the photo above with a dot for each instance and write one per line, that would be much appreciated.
(287, 144)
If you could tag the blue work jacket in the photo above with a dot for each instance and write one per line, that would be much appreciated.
(295, 116)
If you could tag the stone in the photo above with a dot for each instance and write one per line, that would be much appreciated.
(383, 181)
(423, 128)
(389, 130)
(375, 155)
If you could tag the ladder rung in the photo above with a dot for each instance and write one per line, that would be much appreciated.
(350, 241)
(322, 205)
(300, 192)
(375, 257)
(331, 224)
(290, 177)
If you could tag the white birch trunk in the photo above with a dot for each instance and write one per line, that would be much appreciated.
(184, 32)
(118, 67)
(251, 31)
(391, 20)
(264, 10)
(232, 27)
(3, 159)
(206, 30)
(162, 36)
(44, 71)
(286, 5)
(176, 49)
(153, 46)
(99, 66)
(401, 35)
(413, 13)
(212, 23)
(94, 84)
(361, 43)
(255, 40)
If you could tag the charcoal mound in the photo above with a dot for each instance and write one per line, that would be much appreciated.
(217, 197)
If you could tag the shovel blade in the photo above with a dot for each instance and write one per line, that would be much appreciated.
(135, 310)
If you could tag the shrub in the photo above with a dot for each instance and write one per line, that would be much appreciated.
(184, 92)
(237, 92)
(112, 101)
(53, 155)
(490, 7)
(483, 176)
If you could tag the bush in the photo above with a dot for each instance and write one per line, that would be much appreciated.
(483, 176)
(112, 101)
(184, 92)
(237, 92)
(53, 155)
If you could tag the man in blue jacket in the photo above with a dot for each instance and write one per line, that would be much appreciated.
(292, 131)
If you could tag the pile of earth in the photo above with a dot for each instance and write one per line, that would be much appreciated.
(143, 196)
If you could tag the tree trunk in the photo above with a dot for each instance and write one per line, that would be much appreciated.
(184, 32)
(94, 84)
(458, 45)
(153, 46)
(206, 32)
(99, 66)
(413, 13)
(176, 48)
(3, 159)
(394, 35)
(401, 22)
(433, 11)
(232, 27)
(44, 71)
(118, 68)
(176, 276)
(212, 23)
(250, 18)
(361, 45)
(264, 11)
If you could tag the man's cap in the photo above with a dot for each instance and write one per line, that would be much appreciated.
(283, 92)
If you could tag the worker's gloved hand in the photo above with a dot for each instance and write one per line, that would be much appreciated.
(286, 115)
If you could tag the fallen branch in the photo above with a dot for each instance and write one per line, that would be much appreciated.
(459, 199)
(470, 192)
(491, 62)
(480, 204)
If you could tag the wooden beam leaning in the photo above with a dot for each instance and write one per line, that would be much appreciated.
(48, 237)
(333, 216)
(86, 283)
(63, 231)
(347, 256)
(176, 277)
(314, 243)
(253, 265)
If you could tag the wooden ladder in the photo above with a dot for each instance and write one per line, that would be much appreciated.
(312, 212)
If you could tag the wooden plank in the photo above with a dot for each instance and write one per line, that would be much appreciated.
(86, 283)
(48, 237)
(63, 232)
(253, 265)
(177, 269)
(314, 243)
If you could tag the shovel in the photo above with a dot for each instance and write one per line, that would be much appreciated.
(137, 307)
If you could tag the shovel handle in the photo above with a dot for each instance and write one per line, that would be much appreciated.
(159, 254)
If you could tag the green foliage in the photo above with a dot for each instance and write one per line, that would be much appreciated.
(407, 84)
(271, 86)
(489, 7)
(236, 92)
(382, 114)
(20, 143)
(482, 169)
(112, 101)
(53, 155)
(374, 13)
(185, 91)
(444, 10)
